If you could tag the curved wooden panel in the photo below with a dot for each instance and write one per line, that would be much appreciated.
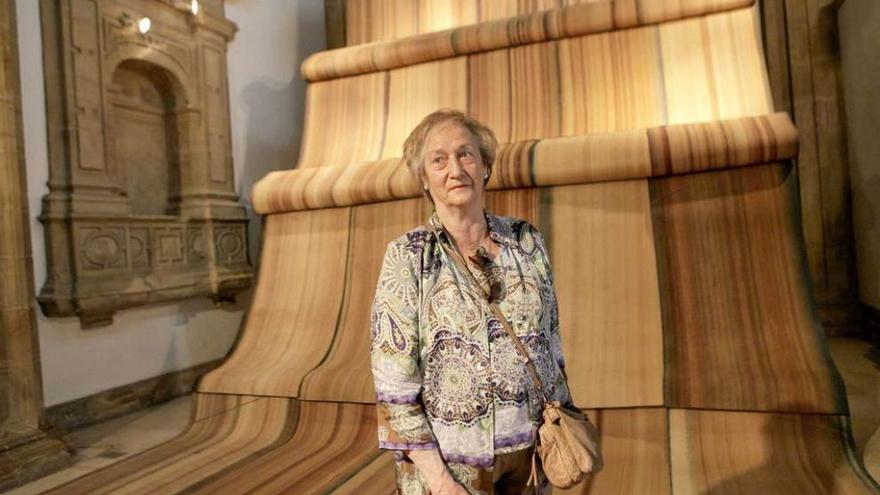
(601, 247)
(713, 68)
(345, 375)
(612, 82)
(331, 443)
(723, 452)
(739, 326)
(418, 91)
(677, 287)
(635, 447)
(554, 24)
(634, 154)
(345, 120)
(224, 430)
(290, 325)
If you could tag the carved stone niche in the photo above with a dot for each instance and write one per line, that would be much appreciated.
(141, 205)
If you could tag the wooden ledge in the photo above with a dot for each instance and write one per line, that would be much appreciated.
(636, 154)
(574, 20)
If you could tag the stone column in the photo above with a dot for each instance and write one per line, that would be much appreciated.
(27, 452)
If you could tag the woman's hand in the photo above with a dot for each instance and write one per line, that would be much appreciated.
(433, 469)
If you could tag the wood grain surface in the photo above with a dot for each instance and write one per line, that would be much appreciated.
(569, 21)
(589, 158)
(600, 241)
(739, 327)
(291, 323)
(239, 444)
(223, 430)
(345, 121)
(638, 136)
(725, 452)
(332, 442)
(344, 374)
(635, 448)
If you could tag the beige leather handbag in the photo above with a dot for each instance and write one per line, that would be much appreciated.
(568, 444)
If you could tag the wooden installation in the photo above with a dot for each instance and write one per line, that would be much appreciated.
(141, 205)
(639, 137)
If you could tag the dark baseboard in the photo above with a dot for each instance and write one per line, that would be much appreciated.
(126, 399)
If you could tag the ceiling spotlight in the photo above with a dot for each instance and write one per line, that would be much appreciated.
(194, 7)
(144, 25)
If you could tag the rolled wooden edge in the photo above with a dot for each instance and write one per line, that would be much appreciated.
(642, 153)
(554, 24)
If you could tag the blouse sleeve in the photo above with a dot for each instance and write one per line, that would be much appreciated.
(546, 270)
(394, 350)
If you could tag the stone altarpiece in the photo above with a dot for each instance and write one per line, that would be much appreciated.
(141, 205)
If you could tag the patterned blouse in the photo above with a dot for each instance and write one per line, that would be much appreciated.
(447, 375)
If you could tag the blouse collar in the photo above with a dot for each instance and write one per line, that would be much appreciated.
(499, 230)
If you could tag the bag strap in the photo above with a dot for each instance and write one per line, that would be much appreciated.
(461, 264)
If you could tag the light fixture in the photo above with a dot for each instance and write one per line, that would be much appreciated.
(189, 6)
(131, 27)
(144, 24)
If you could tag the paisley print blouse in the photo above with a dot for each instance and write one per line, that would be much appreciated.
(446, 373)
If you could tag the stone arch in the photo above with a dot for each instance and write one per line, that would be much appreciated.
(149, 113)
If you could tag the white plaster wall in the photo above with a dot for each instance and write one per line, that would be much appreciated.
(859, 22)
(267, 93)
(266, 101)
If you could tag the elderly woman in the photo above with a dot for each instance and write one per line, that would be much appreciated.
(455, 401)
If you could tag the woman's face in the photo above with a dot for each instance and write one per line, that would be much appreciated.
(454, 168)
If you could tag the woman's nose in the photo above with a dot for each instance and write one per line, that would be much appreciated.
(455, 168)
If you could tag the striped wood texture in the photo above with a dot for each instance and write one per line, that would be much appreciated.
(699, 69)
(223, 431)
(726, 452)
(344, 374)
(241, 444)
(635, 154)
(739, 327)
(635, 447)
(679, 270)
(290, 324)
(477, 33)
(600, 242)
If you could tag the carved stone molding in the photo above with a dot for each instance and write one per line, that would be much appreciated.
(142, 205)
